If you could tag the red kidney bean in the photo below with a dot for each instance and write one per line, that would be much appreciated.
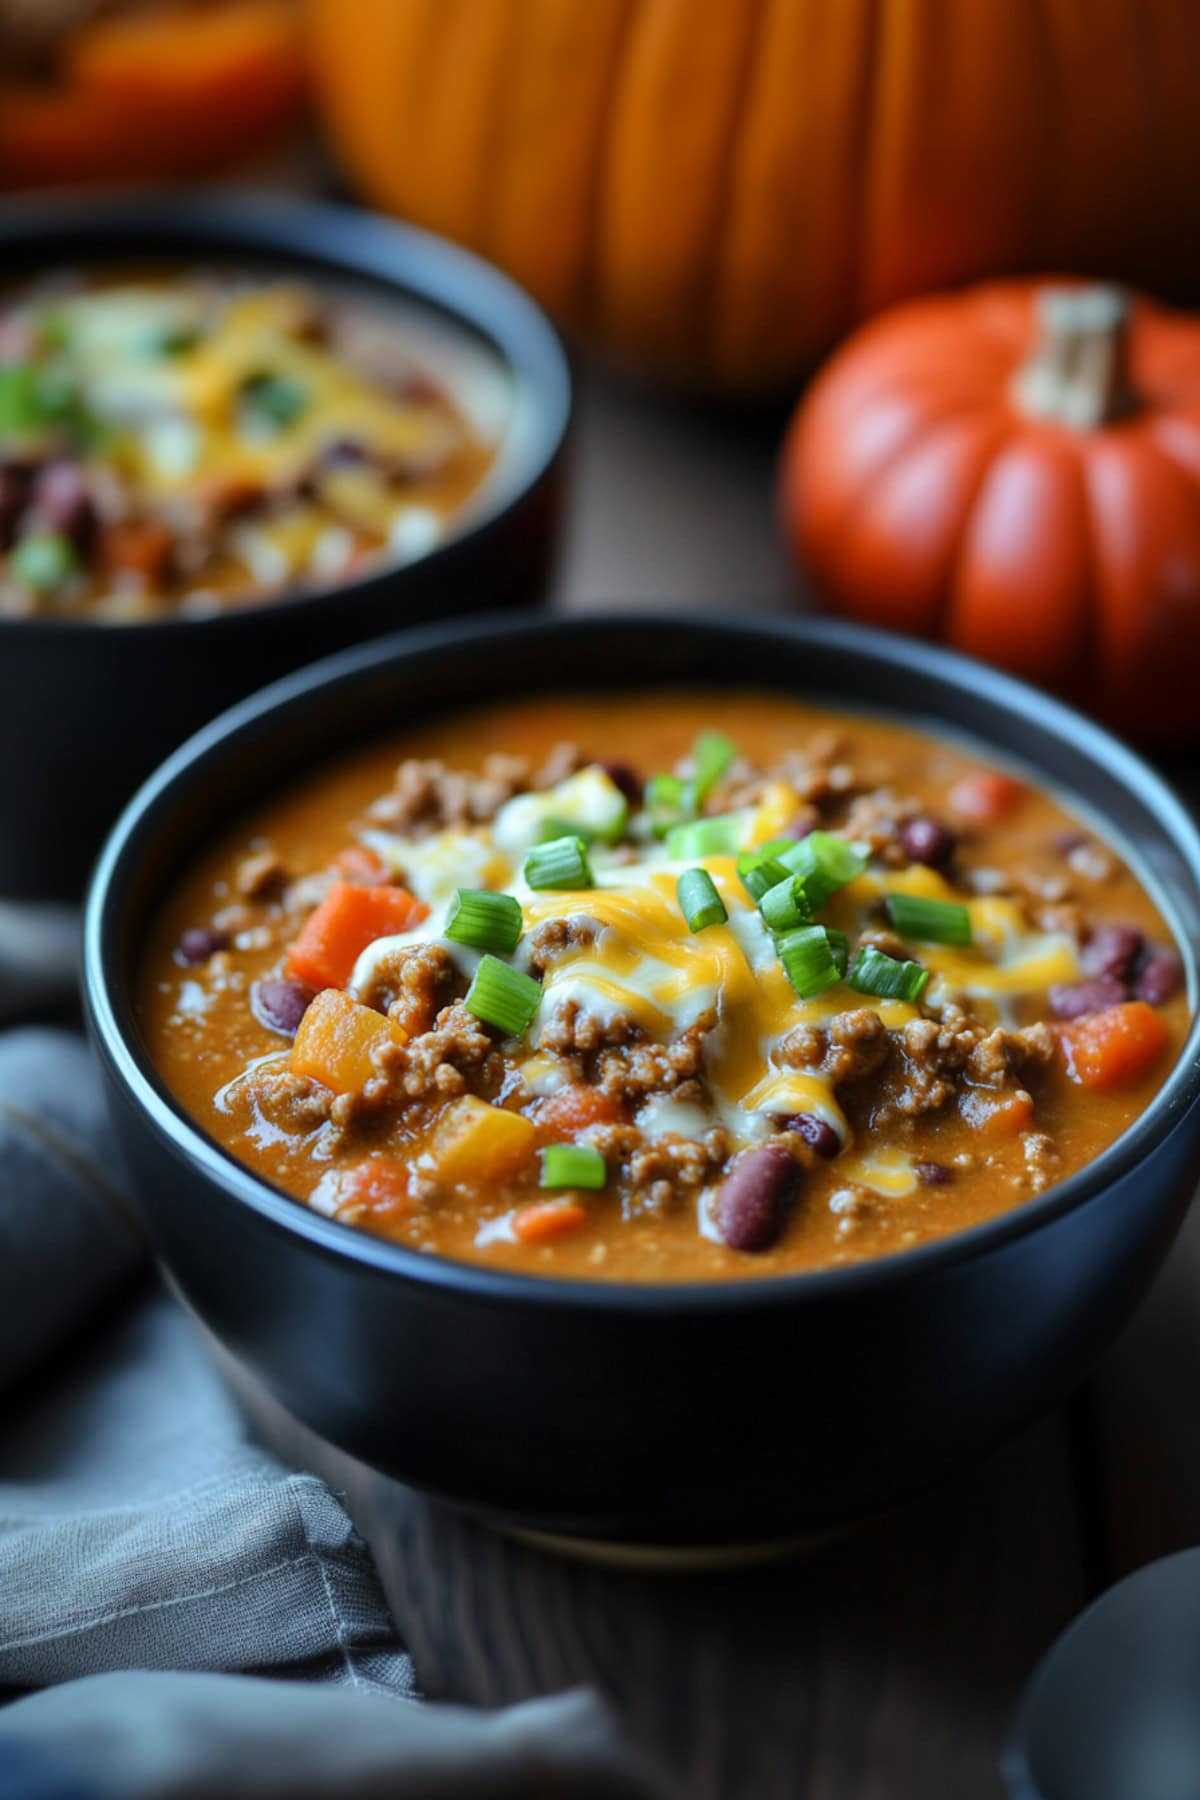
(280, 1005)
(926, 840)
(817, 1134)
(624, 776)
(752, 1203)
(800, 825)
(62, 501)
(1158, 975)
(342, 452)
(933, 1174)
(1072, 999)
(1066, 841)
(1112, 950)
(14, 497)
(199, 942)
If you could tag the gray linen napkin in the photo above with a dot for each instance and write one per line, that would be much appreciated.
(142, 1530)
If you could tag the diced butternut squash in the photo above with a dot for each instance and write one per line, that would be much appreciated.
(997, 1115)
(348, 919)
(480, 1144)
(572, 1109)
(541, 1221)
(335, 1039)
(1108, 1049)
(362, 865)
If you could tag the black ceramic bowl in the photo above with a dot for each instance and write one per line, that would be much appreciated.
(671, 1416)
(89, 709)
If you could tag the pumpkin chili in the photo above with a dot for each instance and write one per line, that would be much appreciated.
(688, 986)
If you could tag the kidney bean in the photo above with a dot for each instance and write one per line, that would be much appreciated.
(280, 1005)
(1112, 950)
(1066, 841)
(62, 501)
(14, 497)
(199, 942)
(1072, 999)
(624, 776)
(800, 824)
(817, 1134)
(933, 1174)
(926, 840)
(1158, 975)
(751, 1205)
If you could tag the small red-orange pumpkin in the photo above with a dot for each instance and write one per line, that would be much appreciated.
(1016, 469)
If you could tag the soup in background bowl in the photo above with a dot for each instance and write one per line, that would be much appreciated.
(696, 1391)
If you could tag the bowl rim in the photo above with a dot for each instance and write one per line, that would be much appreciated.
(115, 1031)
(340, 241)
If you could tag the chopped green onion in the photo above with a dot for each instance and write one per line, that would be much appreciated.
(549, 829)
(785, 906)
(887, 978)
(826, 863)
(503, 996)
(44, 562)
(712, 754)
(931, 921)
(664, 798)
(572, 1166)
(760, 870)
(274, 401)
(484, 920)
(699, 901)
(813, 957)
(562, 863)
(174, 340)
(717, 836)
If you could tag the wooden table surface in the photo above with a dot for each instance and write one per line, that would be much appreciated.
(885, 1666)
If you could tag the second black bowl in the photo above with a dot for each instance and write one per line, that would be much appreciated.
(89, 709)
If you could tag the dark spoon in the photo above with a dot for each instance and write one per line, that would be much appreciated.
(1113, 1709)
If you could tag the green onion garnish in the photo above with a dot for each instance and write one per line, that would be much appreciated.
(174, 340)
(826, 863)
(785, 906)
(572, 1166)
(814, 958)
(549, 829)
(760, 870)
(663, 798)
(484, 920)
(699, 901)
(885, 977)
(273, 401)
(704, 837)
(45, 561)
(562, 863)
(930, 921)
(712, 754)
(503, 996)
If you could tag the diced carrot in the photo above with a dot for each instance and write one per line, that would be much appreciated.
(480, 1144)
(997, 1115)
(335, 1038)
(572, 1109)
(541, 1221)
(360, 864)
(348, 919)
(139, 547)
(379, 1182)
(985, 797)
(1107, 1049)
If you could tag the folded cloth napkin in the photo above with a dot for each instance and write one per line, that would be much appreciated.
(152, 1555)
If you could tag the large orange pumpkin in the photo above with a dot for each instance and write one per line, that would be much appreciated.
(721, 188)
(160, 91)
(1016, 469)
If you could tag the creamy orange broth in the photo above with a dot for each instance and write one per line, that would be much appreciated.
(862, 1202)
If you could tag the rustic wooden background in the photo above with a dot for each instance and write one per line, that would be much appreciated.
(887, 1665)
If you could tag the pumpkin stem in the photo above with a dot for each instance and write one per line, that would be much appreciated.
(1078, 374)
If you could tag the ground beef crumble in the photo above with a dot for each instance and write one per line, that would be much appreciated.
(427, 796)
